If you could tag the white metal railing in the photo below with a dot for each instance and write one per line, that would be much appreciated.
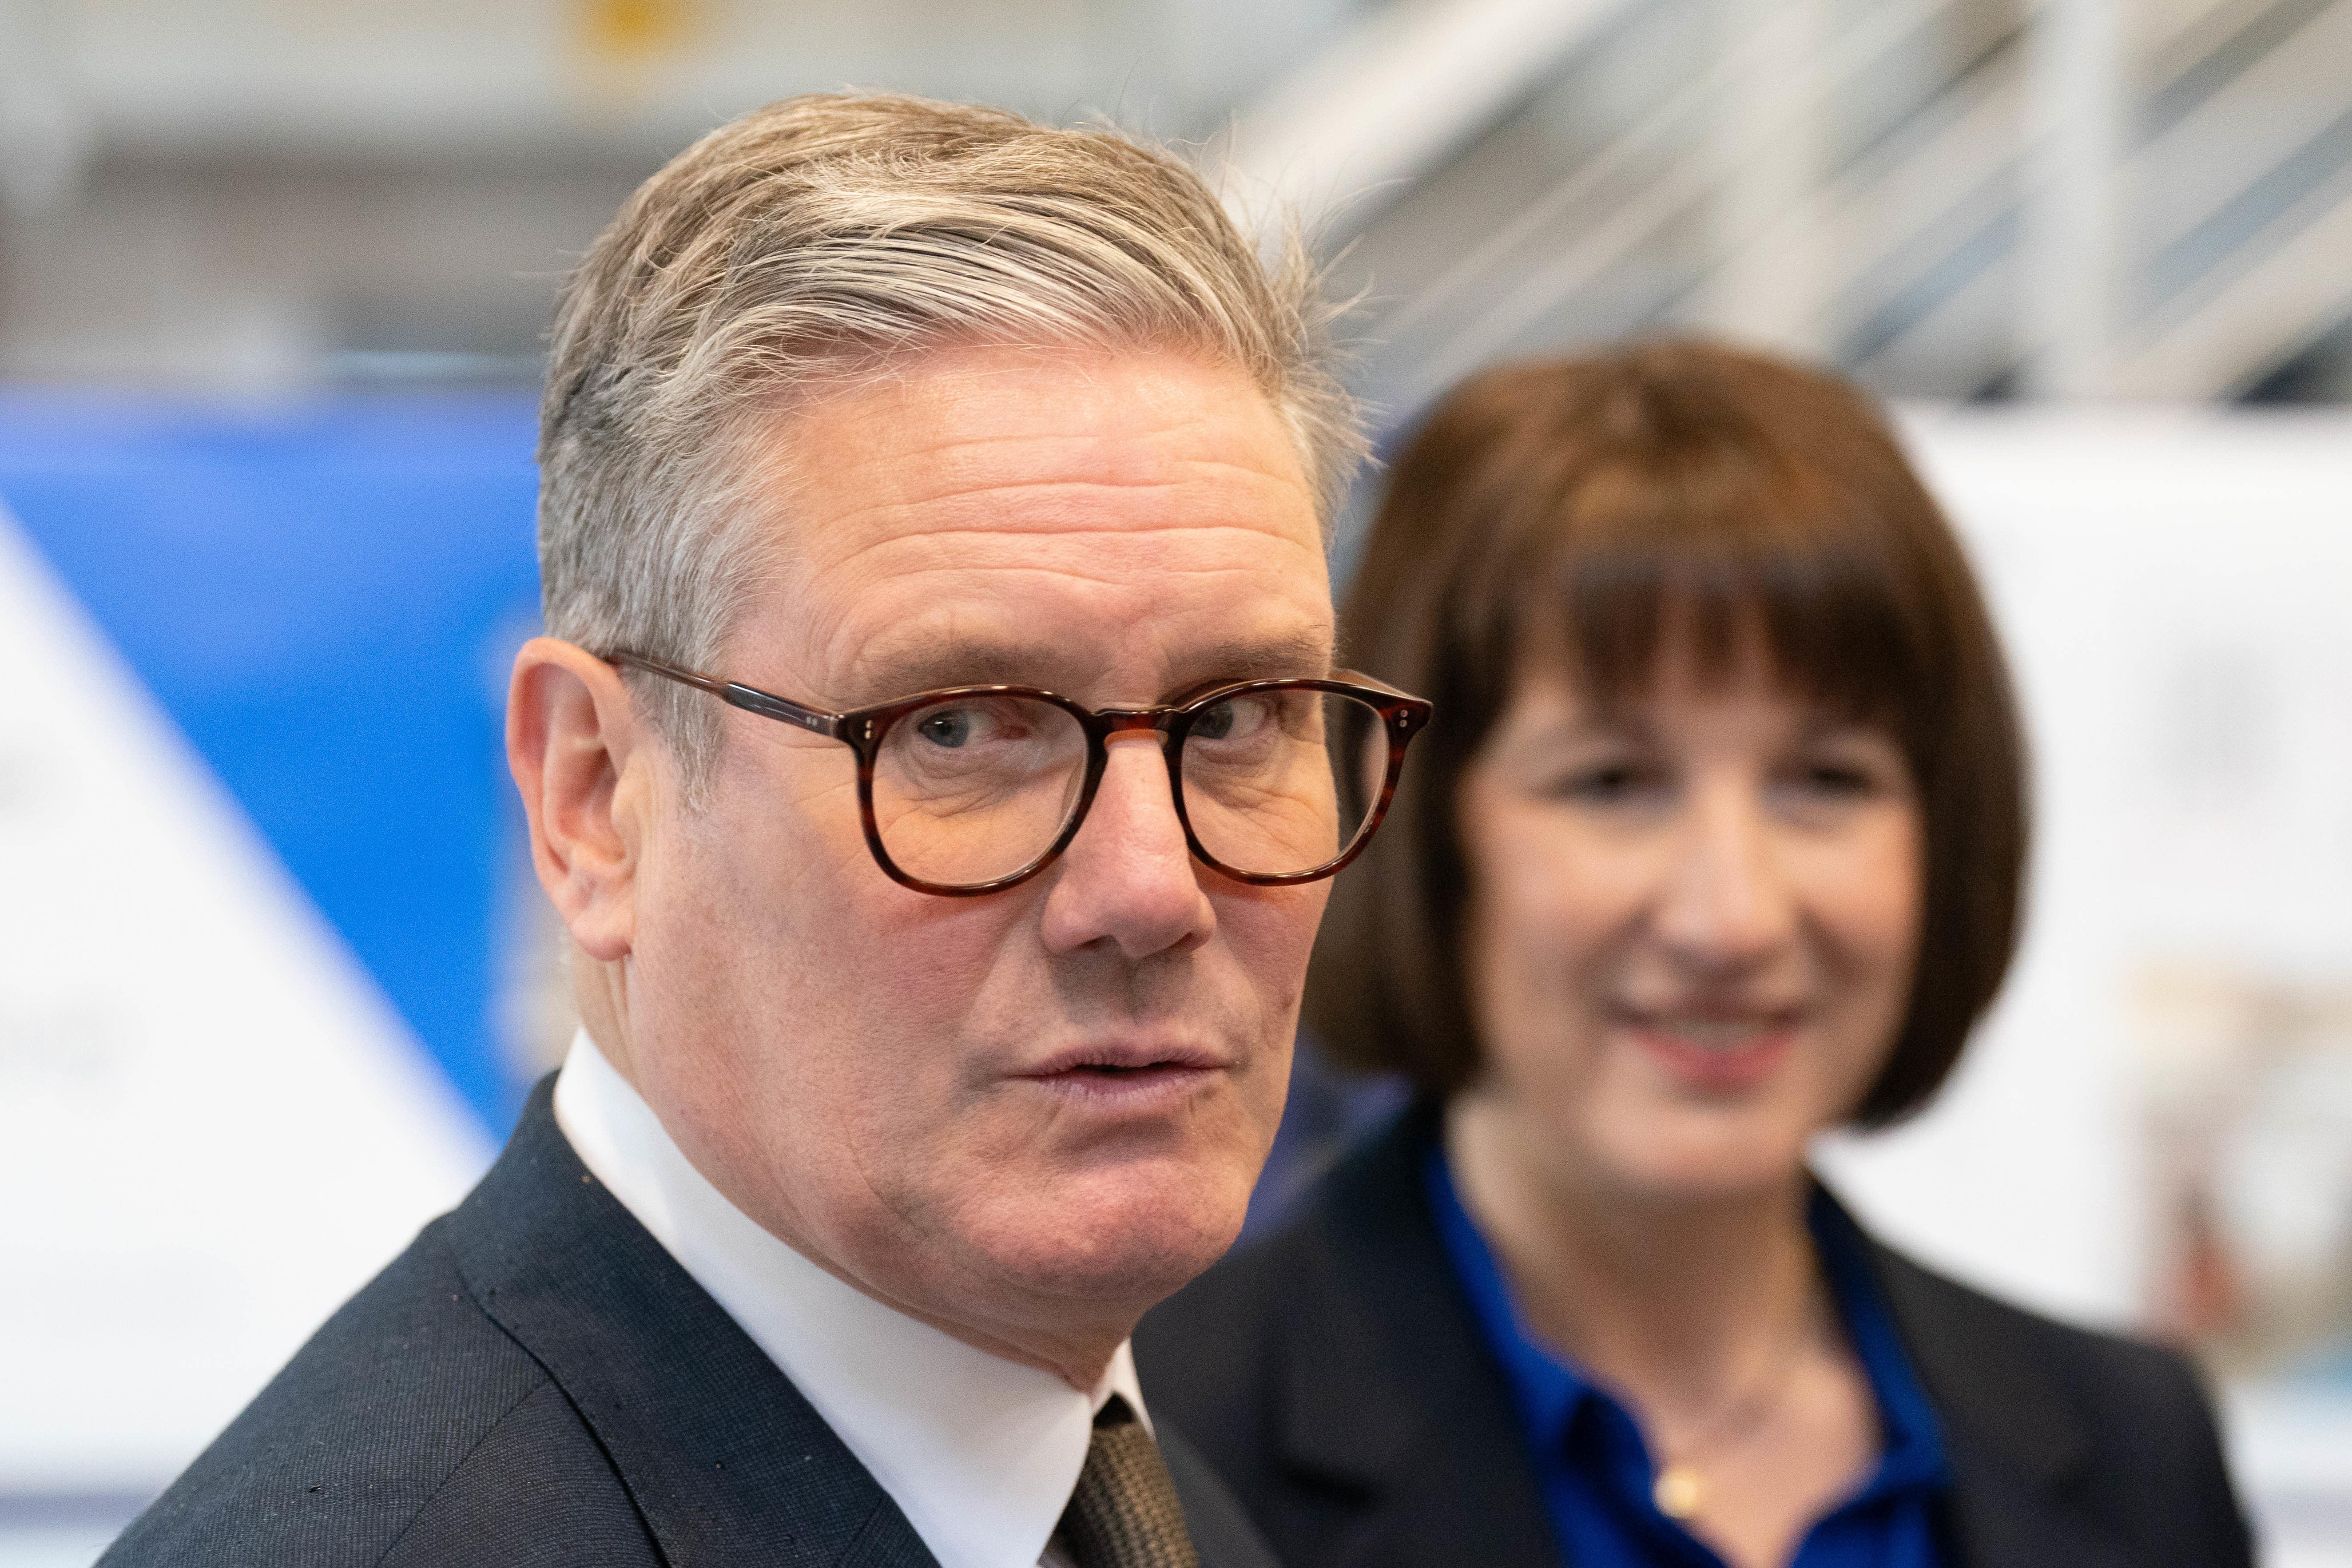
(2264, 261)
(1564, 247)
(2074, 212)
(1395, 94)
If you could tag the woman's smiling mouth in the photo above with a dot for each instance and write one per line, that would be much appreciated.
(1715, 1052)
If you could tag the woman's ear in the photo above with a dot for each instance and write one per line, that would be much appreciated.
(572, 733)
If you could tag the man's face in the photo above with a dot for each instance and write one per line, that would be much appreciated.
(911, 1089)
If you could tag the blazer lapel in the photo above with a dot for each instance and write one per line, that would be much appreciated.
(726, 1461)
(2018, 1451)
(1388, 1396)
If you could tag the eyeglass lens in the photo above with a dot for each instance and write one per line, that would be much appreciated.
(1275, 782)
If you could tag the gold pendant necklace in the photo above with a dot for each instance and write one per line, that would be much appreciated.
(1677, 1491)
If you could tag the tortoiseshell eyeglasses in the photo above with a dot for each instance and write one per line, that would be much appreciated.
(975, 789)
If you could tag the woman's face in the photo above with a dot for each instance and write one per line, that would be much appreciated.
(1691, 928)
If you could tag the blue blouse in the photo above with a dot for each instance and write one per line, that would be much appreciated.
(1595, 1469)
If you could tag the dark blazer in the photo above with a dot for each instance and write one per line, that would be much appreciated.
(1335, 1376)
(536, 1382)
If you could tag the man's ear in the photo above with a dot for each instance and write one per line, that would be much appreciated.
(570, 734)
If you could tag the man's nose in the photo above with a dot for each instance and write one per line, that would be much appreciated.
(1128, 876)
(1727, 902)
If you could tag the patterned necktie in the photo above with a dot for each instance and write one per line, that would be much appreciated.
(1124, 1512)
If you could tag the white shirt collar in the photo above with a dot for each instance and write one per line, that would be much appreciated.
(979, 1453)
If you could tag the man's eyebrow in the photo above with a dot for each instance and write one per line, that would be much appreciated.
(1298, 654)
(899, 673)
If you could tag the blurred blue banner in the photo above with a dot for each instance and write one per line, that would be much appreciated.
(324, 598)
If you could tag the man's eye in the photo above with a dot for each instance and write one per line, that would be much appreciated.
(949, 728)
(1238, 717)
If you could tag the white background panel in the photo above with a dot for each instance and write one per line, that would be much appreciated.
(212, 1128)
(2175, 591)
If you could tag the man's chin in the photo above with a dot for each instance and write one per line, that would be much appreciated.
(1135, 1239)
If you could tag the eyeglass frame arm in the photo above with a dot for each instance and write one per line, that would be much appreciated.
(751, 699)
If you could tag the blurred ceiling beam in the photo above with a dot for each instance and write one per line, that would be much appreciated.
(1395, 95)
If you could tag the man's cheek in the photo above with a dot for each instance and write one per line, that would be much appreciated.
(1271, 938)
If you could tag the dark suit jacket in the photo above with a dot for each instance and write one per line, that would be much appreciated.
(1337, 1378)
(536, 1382)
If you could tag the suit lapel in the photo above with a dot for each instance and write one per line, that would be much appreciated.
(1388, 1396)
(2018, 1451)
(1221, 1531)
(726, 1461)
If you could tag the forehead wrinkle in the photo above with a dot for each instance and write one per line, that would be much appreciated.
(1088, 467)
(1095, 584)
(1139, 445)
(1118, 435)
(879, 583)
(937, 659)
(1065, 508)
(1150, 497)
(1132, 599)
(1102, 460)
(1067, 541)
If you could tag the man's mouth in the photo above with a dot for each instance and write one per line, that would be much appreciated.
(1129, 1075)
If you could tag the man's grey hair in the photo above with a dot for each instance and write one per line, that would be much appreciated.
(831, 237)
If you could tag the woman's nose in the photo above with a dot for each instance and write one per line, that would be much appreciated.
(1727, 902)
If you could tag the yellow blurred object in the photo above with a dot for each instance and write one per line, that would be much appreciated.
(635, 30)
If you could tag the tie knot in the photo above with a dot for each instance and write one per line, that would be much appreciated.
(1124, 1512)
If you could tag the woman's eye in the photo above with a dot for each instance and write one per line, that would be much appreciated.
(1841, 780)
(1604, 783)
(1838, 780)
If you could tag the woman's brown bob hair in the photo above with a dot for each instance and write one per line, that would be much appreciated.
(1588, 505)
